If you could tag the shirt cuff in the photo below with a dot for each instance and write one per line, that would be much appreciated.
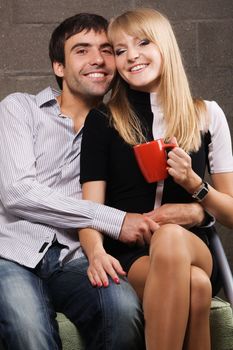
(108, 220)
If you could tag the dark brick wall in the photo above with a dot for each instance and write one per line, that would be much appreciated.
(204, 29)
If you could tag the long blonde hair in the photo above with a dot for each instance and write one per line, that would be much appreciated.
(183, 115)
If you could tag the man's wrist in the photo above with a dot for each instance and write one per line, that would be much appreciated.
(108, 220)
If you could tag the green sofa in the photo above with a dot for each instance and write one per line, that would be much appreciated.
(221, 324)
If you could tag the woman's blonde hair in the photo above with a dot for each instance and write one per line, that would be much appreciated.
(183, 115)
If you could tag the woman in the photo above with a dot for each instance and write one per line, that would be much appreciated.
(151, 99)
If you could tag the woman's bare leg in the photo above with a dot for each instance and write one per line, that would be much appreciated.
(138, 273)
(166, 298)
(198, 331)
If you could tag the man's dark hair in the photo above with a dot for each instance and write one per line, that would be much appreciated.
(69, 27)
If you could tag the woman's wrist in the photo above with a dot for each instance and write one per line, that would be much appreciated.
(193, 183)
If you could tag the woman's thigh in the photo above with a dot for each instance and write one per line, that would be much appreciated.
(172, 242)
(168, 244)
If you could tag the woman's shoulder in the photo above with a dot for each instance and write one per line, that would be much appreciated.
(101, 112)
(215, 113)
(98, 122)
(213, 106)
(98, 115)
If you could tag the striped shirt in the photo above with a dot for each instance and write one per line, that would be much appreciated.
(40, 193)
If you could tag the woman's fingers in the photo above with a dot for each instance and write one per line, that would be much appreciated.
(101, 268)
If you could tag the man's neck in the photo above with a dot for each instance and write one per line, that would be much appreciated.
(76, 108)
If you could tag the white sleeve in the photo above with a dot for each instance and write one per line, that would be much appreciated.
(24, 196)
(220, 147)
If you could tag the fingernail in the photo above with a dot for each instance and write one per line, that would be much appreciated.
(116, 280)
(99, 284)
(105, 284)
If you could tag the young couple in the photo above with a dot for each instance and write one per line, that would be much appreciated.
(42, 267)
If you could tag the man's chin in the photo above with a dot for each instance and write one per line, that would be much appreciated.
(99, 92)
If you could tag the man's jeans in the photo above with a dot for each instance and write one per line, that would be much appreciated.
(108, 318)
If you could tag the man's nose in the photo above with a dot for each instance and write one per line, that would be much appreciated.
(97, 58)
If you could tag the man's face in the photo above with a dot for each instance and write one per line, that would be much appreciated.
(89, 64)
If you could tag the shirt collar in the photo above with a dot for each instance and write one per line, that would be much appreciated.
(47, 95)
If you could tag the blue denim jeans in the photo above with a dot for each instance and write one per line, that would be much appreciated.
(108, 318)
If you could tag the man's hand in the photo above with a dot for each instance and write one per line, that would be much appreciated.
(137, 229)
(186, 215)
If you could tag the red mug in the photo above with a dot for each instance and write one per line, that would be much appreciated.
(152, 159)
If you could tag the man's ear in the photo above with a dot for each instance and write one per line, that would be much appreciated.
(58, 69)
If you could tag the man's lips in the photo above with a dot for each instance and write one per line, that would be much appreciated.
(96, 75)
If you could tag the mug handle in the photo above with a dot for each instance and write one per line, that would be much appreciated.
(169, 145)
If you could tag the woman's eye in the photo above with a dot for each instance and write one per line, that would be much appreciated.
(118, 52)
(144, 42)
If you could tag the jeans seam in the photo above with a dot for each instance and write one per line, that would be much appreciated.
(41, 284)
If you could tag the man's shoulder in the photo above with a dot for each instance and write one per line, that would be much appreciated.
(17, 96)
(22, 98)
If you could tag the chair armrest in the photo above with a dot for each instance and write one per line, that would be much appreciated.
(225, 271)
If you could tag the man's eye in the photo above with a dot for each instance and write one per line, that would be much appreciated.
(108, 52)
(144, 42)
(119, 52)
(81, 52)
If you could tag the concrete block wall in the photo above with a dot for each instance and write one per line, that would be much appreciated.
(204, 30)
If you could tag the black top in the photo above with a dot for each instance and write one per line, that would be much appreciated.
(106, 156)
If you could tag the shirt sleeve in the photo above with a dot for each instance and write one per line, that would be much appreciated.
(23, 196)
(95, 147)
(220, 147)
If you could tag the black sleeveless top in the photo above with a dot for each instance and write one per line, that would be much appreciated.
(106, 156)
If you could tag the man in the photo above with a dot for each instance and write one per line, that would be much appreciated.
(42, 267)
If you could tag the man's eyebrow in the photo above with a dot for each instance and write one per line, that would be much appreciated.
(80, 45)
(106, 45)
(84, 44)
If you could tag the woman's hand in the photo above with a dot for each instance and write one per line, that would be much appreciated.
(102, 265)
(180, 168)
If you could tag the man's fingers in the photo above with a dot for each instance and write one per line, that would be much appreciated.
(153, 225)
(148, 228)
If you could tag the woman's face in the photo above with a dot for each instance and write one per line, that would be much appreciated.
(138, 61)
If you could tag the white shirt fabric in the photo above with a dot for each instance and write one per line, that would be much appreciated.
(40, 193)
(220, 148)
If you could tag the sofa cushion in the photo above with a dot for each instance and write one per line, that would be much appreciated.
(221, 325)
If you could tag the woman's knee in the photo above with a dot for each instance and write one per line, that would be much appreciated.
(168, 246)
(201, 291)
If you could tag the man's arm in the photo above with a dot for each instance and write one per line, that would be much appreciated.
(24, 196)
(187, 215)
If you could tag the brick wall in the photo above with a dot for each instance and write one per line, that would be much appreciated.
(204, 29)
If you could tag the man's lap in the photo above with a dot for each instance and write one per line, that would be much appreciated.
(71, 293)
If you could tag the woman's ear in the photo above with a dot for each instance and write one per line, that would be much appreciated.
(58, 69)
